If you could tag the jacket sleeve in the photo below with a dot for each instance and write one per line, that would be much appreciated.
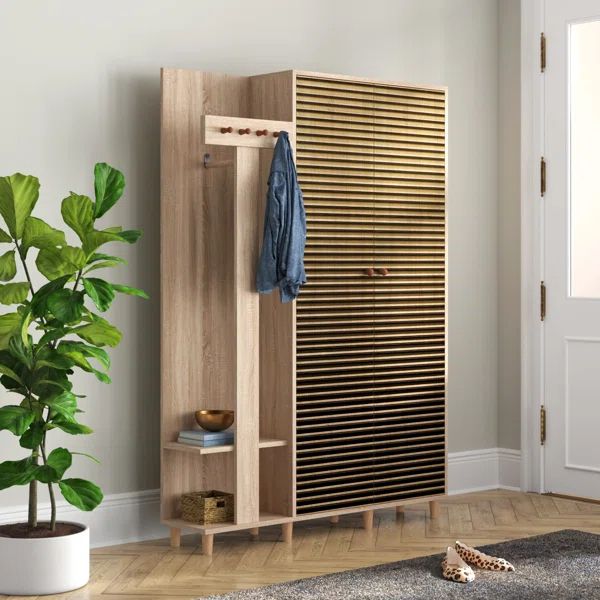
(267, 276)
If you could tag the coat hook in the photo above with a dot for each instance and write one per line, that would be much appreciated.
(243, 131)
(226, 129)
(276, 134)
(261, 132)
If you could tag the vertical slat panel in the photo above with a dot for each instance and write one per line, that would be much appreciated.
(370, 350)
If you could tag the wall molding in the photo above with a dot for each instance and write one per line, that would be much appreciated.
(120, 519)
(488, 469)
(134, 516)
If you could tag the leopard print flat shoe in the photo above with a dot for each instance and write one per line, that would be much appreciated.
(481, 560)
(455, 568)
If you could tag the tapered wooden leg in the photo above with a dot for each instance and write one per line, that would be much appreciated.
(287, 530)
(434, 509)
(368, 520)
(254, 534)
(334, 520)
(175, 537)
(207, 544)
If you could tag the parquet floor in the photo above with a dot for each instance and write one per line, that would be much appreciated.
(154, 571)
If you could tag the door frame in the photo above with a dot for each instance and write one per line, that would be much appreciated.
(532, 259)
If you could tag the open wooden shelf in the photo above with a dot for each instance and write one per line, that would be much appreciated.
(179, 447)
(265, 519)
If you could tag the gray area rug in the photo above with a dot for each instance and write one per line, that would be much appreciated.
(557, 566)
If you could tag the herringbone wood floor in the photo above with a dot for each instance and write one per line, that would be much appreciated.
(153, 571)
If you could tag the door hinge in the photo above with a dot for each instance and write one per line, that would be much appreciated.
(542, 176)
(542, 52)
(542, 301)
(542, 425)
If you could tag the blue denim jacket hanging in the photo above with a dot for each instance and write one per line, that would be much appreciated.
(281, 262)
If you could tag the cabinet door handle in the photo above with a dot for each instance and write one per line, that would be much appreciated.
(383, 271)
(369, 272)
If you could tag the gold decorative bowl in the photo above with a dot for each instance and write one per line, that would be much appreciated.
(214, 420)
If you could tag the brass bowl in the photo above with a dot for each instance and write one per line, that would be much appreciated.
(214, 420)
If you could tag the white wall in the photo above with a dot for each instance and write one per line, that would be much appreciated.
(509, 224)
(80, 83)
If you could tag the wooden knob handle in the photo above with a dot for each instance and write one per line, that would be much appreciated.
(370, 272)
(276, 134)
(383, 271)
(226, 129)
(243, 131)
(261, 132)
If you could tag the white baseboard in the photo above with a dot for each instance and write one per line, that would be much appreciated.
(134, 516)
(478, 470)
(121, 518)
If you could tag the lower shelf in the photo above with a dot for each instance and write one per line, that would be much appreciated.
(264, 520)
(267, 519)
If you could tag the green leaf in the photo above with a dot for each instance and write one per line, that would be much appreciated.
(66, 305)
(64, 404)
(87, 456)
(38, 234)
(102, 261)
(10, 324)
(90, 351)
(100, 291)
(83, 494)
(32, 438)
(4, 237)
(16, 419)
(46, 474)
(78, 213)
(94, 239)
(18, 195)
(131, 236)
(8, 266)
(39, 301)
(125, 289)
(54, 263)
(72, 427)
(20, 351)
(4, 370)
(109, 184)
(16, 472)
(14, 293)
(52, 336)
(60, 460)
(99, 333)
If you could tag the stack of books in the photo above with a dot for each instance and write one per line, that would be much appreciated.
(199, 437)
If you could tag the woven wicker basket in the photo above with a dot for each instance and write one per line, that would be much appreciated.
(207, 507)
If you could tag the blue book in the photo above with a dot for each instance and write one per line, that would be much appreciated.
(197, 434)
(204, 443)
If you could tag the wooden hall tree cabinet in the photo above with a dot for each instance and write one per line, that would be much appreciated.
(339, 396)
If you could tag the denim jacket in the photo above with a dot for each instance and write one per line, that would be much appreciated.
(281, 262)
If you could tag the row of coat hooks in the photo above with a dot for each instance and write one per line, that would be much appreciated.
(247, 131)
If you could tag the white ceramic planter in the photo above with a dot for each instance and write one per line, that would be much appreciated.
(31, 567)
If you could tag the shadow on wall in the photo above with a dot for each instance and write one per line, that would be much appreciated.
(135, 134)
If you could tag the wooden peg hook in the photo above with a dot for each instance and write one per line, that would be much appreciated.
(276, 134)
(260, 132)
(244, 131)
(226, 129)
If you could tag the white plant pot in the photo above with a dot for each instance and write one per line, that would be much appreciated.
(31, 567)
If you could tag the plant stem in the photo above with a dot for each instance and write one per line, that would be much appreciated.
(24, 263)
(50, 489)
(77, 279)
(32, 519)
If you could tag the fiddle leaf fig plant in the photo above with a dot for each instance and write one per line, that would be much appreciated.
(50, 331)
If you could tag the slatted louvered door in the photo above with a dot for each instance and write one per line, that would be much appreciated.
(370, 348)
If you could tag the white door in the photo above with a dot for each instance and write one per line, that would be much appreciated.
(571, 242)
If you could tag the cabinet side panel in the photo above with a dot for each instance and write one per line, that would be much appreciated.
(272, 97)
(197, 310)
